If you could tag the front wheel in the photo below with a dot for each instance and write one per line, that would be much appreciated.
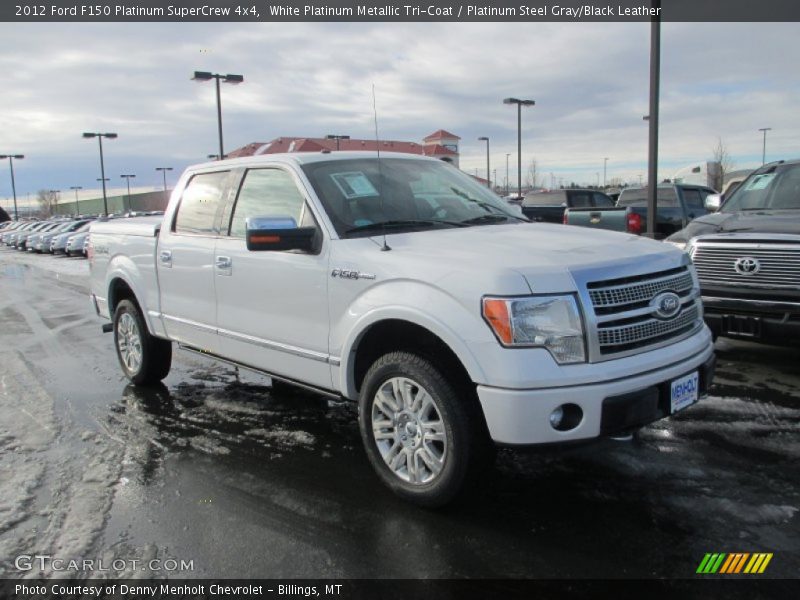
(144, 359)
(422, 436)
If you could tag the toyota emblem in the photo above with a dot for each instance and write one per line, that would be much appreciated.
(747, 265)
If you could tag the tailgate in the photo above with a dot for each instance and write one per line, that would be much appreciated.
(613, 219)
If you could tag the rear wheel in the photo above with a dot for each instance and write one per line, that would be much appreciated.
(423, 436)
(144, 358)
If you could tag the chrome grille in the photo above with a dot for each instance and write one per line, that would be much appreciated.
(624, 311)
(639, 292)
(625, 335)
(779, 265)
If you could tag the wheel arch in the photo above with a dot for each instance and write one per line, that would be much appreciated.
(402, 333)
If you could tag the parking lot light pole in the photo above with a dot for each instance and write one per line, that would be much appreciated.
(507, 155)
(605, 165)
(100, 136)
(764, 147)
(76, 188)
(483, 138)
(164, 173)
(11, 158)
(333, 136)
(206, 76)
(520, 104)
(128, 179)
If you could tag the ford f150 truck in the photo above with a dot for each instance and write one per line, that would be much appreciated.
(748, 257)
(677, 205)
(399, 282)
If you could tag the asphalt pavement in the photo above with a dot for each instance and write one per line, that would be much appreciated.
(214, 471)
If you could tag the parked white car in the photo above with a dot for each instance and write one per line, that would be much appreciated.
(404, 285)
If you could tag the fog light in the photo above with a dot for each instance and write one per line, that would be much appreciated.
(556, 416)
(566, 417)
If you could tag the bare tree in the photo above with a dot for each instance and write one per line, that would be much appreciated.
(47, 200)
(533, 174)
(723, 159)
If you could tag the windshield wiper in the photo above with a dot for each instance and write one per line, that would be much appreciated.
(379, 226)
(489, 218)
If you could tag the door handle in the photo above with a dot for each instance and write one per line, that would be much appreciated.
(165, 258)
(224, 262)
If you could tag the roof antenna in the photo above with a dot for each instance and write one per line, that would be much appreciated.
(385, 246)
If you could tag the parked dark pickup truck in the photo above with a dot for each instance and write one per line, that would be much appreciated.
(549, 207)
(747, 257)
(677, 203)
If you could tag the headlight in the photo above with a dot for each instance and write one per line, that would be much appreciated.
(551, 322)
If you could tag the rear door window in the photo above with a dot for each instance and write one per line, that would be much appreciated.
(200, 204)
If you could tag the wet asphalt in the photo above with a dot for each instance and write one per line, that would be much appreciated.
(215, 468)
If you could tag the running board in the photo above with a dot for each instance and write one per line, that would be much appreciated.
(233, 363)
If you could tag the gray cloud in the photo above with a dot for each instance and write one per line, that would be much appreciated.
(590, 82)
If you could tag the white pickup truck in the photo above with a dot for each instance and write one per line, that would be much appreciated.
(400, 282)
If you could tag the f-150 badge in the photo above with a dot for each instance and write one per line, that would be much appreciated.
(350, 274)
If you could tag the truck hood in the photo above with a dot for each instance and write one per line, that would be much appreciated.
(546, 256)
(751, 221)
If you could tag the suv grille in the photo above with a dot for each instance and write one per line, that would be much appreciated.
(625, 310)
(749, 265)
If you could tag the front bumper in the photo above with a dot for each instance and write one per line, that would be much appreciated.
(763, 320)
(522, 417)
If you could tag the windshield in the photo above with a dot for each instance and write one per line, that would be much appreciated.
(358, 193)
(778, 189)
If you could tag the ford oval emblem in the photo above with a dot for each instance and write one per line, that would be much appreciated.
(666, 305)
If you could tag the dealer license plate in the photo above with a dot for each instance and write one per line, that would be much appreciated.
(684, 392)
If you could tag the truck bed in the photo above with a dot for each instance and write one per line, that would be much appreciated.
(126, 249)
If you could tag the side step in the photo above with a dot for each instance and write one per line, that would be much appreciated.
(306, 386)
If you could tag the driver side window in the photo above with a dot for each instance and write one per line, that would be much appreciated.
(266, 192)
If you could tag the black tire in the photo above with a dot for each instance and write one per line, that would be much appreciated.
(461, 455)
(155, 354)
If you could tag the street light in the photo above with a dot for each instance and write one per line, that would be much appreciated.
(507, 155)
(100, 136)
(164, 173)
(605, 164)
(55, 195)
(11, 158)
(520, 104)
(206, 76)
(764, 148)
(128, 179)
(483, 138)
(76, 188)
(333, 136)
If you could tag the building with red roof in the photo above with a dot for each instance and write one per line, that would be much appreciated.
(440, 144)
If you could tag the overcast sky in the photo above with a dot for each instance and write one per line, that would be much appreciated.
(590, 83)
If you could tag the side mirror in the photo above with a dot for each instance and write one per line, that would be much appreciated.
(278, 233)
(713, 202)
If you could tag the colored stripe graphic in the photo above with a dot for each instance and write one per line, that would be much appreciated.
(734, 563)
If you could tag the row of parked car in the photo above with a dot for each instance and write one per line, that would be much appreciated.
(58, 236)
(68, 236)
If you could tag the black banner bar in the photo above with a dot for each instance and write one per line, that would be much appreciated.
(392, 589)
(530, 11)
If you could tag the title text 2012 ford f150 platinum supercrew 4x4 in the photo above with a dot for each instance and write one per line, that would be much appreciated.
(399, 282)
